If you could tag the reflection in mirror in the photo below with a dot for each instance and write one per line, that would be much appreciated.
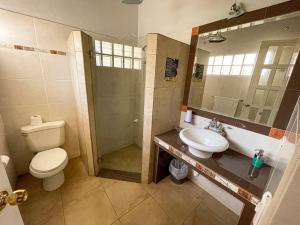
(246, 74)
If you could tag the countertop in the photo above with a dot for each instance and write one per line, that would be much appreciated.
(232, 165)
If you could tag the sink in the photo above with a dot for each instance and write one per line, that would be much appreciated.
(203, 142)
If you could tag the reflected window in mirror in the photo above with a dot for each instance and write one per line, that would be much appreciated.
(246, 73)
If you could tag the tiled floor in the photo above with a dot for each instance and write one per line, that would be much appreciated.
(127, 159)
(85, 200)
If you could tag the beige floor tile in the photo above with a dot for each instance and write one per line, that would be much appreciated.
(75, 169)
(79, 188)
(202, 215)
(30, 183)
(147, 213)
(106, 182)
(94, 209)
(126, 159)
(178, 201)
(43, 208)
(124, 196)
(221, 211)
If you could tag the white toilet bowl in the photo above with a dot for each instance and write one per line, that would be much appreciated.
(48, 165)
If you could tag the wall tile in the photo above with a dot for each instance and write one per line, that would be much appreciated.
(62, 111)
(22, 92)
(150, 71)
(16, 29)
(16, 117)
(72, 142)
(60, 91)
(10, 168)
(19, 64)
(55, 67)
(51, 35)
(151, 44)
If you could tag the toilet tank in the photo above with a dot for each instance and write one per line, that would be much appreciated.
(44, 136)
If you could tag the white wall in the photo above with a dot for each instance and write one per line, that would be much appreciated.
(109, 17)
(176, 18)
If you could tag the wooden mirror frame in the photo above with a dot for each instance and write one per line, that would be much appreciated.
(292, 91)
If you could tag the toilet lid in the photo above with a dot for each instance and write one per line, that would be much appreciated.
(48, 160)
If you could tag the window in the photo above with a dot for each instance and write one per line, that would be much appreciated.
(233, 65)
(118, 55)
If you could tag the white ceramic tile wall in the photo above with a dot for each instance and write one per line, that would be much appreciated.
(10, 168)
(34, 82)
(79, 45)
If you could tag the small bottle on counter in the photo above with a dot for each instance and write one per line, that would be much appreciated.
(258, 160)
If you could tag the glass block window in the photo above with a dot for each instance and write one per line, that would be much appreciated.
(118, 55)
(232, 65)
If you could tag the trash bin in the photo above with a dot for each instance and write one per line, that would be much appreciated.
(178, 170)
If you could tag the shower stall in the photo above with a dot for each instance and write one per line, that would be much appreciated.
(118, 91)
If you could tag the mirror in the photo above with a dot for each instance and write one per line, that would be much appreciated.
(242, 71)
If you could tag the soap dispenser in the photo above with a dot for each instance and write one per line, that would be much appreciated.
(258, 160)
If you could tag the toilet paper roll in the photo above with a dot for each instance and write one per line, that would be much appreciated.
(188, 116)
(4, 159)
(36, 120)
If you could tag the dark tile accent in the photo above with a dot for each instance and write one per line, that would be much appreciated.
(282, 8)
(258, 128)
(19, 47)
(53, 52)
(120, 175)
(276, 133)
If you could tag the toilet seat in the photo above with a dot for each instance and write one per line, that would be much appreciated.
(49, 162)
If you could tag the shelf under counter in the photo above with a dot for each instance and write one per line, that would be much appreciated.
(230, 170)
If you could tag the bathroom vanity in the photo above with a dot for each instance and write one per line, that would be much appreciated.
(230, 170)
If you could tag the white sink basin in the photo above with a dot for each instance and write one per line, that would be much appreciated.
(203, 142)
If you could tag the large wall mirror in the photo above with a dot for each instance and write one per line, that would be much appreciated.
(242, 71)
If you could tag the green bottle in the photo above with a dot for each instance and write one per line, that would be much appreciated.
(258, 160)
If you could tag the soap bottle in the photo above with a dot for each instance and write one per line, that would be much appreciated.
(258, 160)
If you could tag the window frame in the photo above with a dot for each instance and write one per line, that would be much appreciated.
(99, 53)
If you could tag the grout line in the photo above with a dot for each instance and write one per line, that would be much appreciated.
(63, 207)
(42, 68)
(129, 210)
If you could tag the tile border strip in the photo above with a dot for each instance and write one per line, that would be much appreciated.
(32, 49)
(212, 174)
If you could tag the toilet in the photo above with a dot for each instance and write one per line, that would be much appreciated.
(49, 161)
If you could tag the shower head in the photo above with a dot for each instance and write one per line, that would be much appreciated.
(132, 1)
(216, 38)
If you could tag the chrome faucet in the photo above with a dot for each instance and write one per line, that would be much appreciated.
(216, 126)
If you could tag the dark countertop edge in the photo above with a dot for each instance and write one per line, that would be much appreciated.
(157, 138)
